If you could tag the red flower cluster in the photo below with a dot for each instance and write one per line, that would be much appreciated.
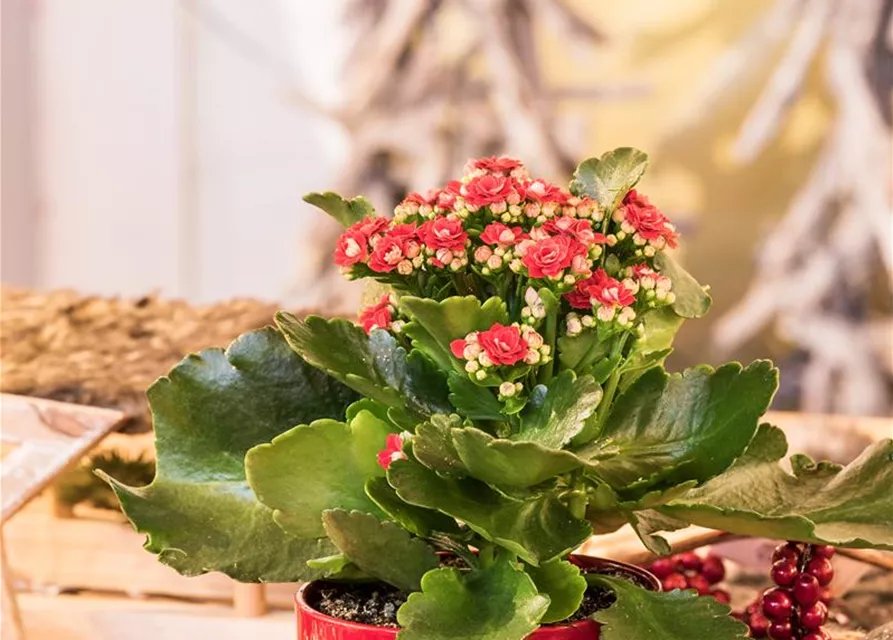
(379, 315)
(393, 451)
(645, 223)
(500, 346)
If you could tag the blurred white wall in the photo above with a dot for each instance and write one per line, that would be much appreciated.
(169, 155)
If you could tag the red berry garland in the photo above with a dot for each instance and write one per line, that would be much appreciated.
(797, 607)
(690, 571)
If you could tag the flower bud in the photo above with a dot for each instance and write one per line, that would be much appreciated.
(483, 253)
(471, 366)
(506, 389)
(588, 321)
(495, 262)
(404, 267)
(484, 359)
(574, 326)
(532, 357)
(605, 314)
(480, 375)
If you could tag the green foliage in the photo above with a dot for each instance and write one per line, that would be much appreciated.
(315, 467)
(199, 512)
(80, 484)
(416, 520)
(345, 212)
(692, 301)
(557, 413)
(563, 583)
(435, 324)
(638, 614)
(668, 429)
(499, 602)
(609, 178)
(537, 529)
(824, 503)
(381, 549)
(433, 446)
(472, 400)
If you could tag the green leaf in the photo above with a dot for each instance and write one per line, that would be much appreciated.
(432, 445)
(557, 413)
(563, 583)
(667, 429)
(504, 463)
(374, 365)
(198, 512)
(381, 549)
(609, 178)
(638, 614)
(435, 324)
(537, 529)
(645, 523)
(311, 468)
(819, 503)
(473, 401)
(345, 212)
(416, 520)
(497, 603)
(639, 364)
(692, 301)
(577, 352)
(338, 567)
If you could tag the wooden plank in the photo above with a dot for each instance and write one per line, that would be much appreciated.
(42, 438)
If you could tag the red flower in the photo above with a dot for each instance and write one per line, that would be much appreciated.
(577, 228)
(503, 345)
(393, 450)
(579, 298)
(351, 248)
(486, 190)
(378, 315)
(498, 233)
(443, 233)
(457, 346)
(371, 226)
(551, 256)
(497, 165)
(416, 198)
(610, 292)
(647, 219)
(398, 244)
(543, 191)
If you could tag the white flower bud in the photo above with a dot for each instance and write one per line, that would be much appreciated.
(533, 340)
(499, 207)
(404, 267)
(545, 350)
(506, 389)
(605, 314)
(471, 351)
(397, 326)
(471, 366)
(525, 312)
(483, 253)
(494, 262)
(480, 375)
(626, 316)
(649, 251)
(484, 359)
(588, 321)
(574, 326)
(532, 357)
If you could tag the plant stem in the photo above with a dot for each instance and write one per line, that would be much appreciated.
(546, 370)
(611, 387)
(578, 500)
(486, 555)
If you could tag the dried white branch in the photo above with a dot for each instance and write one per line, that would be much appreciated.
(766, 116)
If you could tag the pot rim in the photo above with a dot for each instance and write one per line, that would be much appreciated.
(581, 560)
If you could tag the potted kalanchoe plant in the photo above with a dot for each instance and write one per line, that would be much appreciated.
(433, 468)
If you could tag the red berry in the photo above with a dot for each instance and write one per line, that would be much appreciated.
(826, 596)
(698, 583)
(713, 569)
(813, 617)
(806, 590)
(662, 567)
(784, 572)
(689, 560)
(721, 596)
(759, 625)
(818, 634)
(824, 550)
(781, 630)
(789, 551)
(674, 581)
(777, 604)
(822, 569)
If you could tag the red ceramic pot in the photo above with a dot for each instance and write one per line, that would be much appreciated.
(313, 625)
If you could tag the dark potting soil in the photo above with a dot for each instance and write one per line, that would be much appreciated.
(377, 603)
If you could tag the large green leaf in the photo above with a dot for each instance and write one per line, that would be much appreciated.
(497, 603)
(375, 365)
(536, 529)
(563, 583)
(435, 324)
(417, 520)
(608, 179)
(505, 463)
(668, 429)
(692, 300)
(821, 503)
(433, 446)
(557, 413)
(198, 512)
(638, 614)
(345, 212)
(381, 549)
(474, 401)
(311, 468)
